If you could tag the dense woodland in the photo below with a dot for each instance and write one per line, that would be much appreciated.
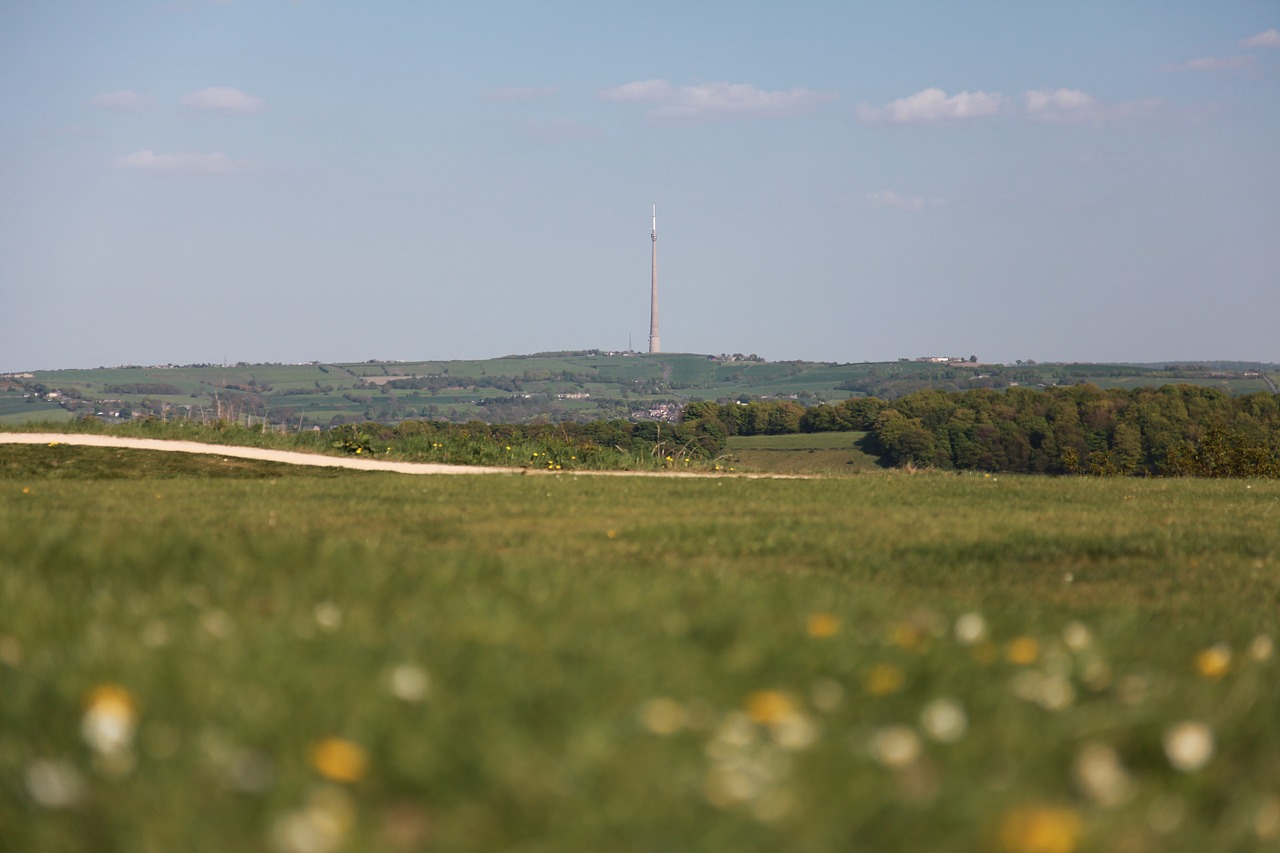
(1167, 431)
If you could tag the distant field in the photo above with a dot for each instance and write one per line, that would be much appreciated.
(14, 409)
(196, 657)
(821, 453)
(1226, 386)
(522, 388)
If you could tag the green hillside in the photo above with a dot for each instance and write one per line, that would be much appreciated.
(567, 386)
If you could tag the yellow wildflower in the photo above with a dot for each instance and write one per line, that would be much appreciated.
(1040, 829)
(340, 760)
(823, 625)
(1023, 651)
(769, 706)
(883, 679)
(1214, 661)
(110, 719)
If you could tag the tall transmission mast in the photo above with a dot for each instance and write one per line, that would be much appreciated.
(654, 346)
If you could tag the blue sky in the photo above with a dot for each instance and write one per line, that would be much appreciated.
(263, 180)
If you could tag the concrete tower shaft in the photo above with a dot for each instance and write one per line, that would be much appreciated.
(654, 345)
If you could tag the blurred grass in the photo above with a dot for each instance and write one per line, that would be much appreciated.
(632, 664)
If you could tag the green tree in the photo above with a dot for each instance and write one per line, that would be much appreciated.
(904, 440)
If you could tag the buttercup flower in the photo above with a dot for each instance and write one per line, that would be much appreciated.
(884, 679)
(1023, 651)
(110, 719)
(1040, 829)
(823, 625)
(769, 706)
(340, 760)
(1214, 661)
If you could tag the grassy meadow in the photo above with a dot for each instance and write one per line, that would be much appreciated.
(814, 453)
(196, 656)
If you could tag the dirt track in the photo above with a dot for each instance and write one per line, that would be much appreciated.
(293, 457)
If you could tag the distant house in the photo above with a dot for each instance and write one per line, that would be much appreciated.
(660, 412)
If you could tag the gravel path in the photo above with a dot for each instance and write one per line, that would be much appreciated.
(293, 457)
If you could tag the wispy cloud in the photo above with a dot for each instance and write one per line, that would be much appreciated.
(520, 93)
(933, 105)
(1072, 105)
(714, 101)
(1060, 104)
(224, 99)
(1047, 105)
(1266, 38)
(894, 201)
(216, 162)
(124, 101)
(1212, 63)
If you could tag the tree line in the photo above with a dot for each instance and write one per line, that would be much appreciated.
(1172, 430)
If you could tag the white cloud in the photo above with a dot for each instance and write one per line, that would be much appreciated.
(1266, 38)
(1212, 63)
(891, 199)
(933, 105)
(217, 162)
(125, 101)
(1058, 100)
(715, 101)
(1060, 105)
(1066, 105)
(641, 90)
(520, 93)
(224, 99)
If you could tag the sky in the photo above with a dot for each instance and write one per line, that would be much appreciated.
(275, 181)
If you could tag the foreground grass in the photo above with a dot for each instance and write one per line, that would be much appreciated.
(385, 662)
